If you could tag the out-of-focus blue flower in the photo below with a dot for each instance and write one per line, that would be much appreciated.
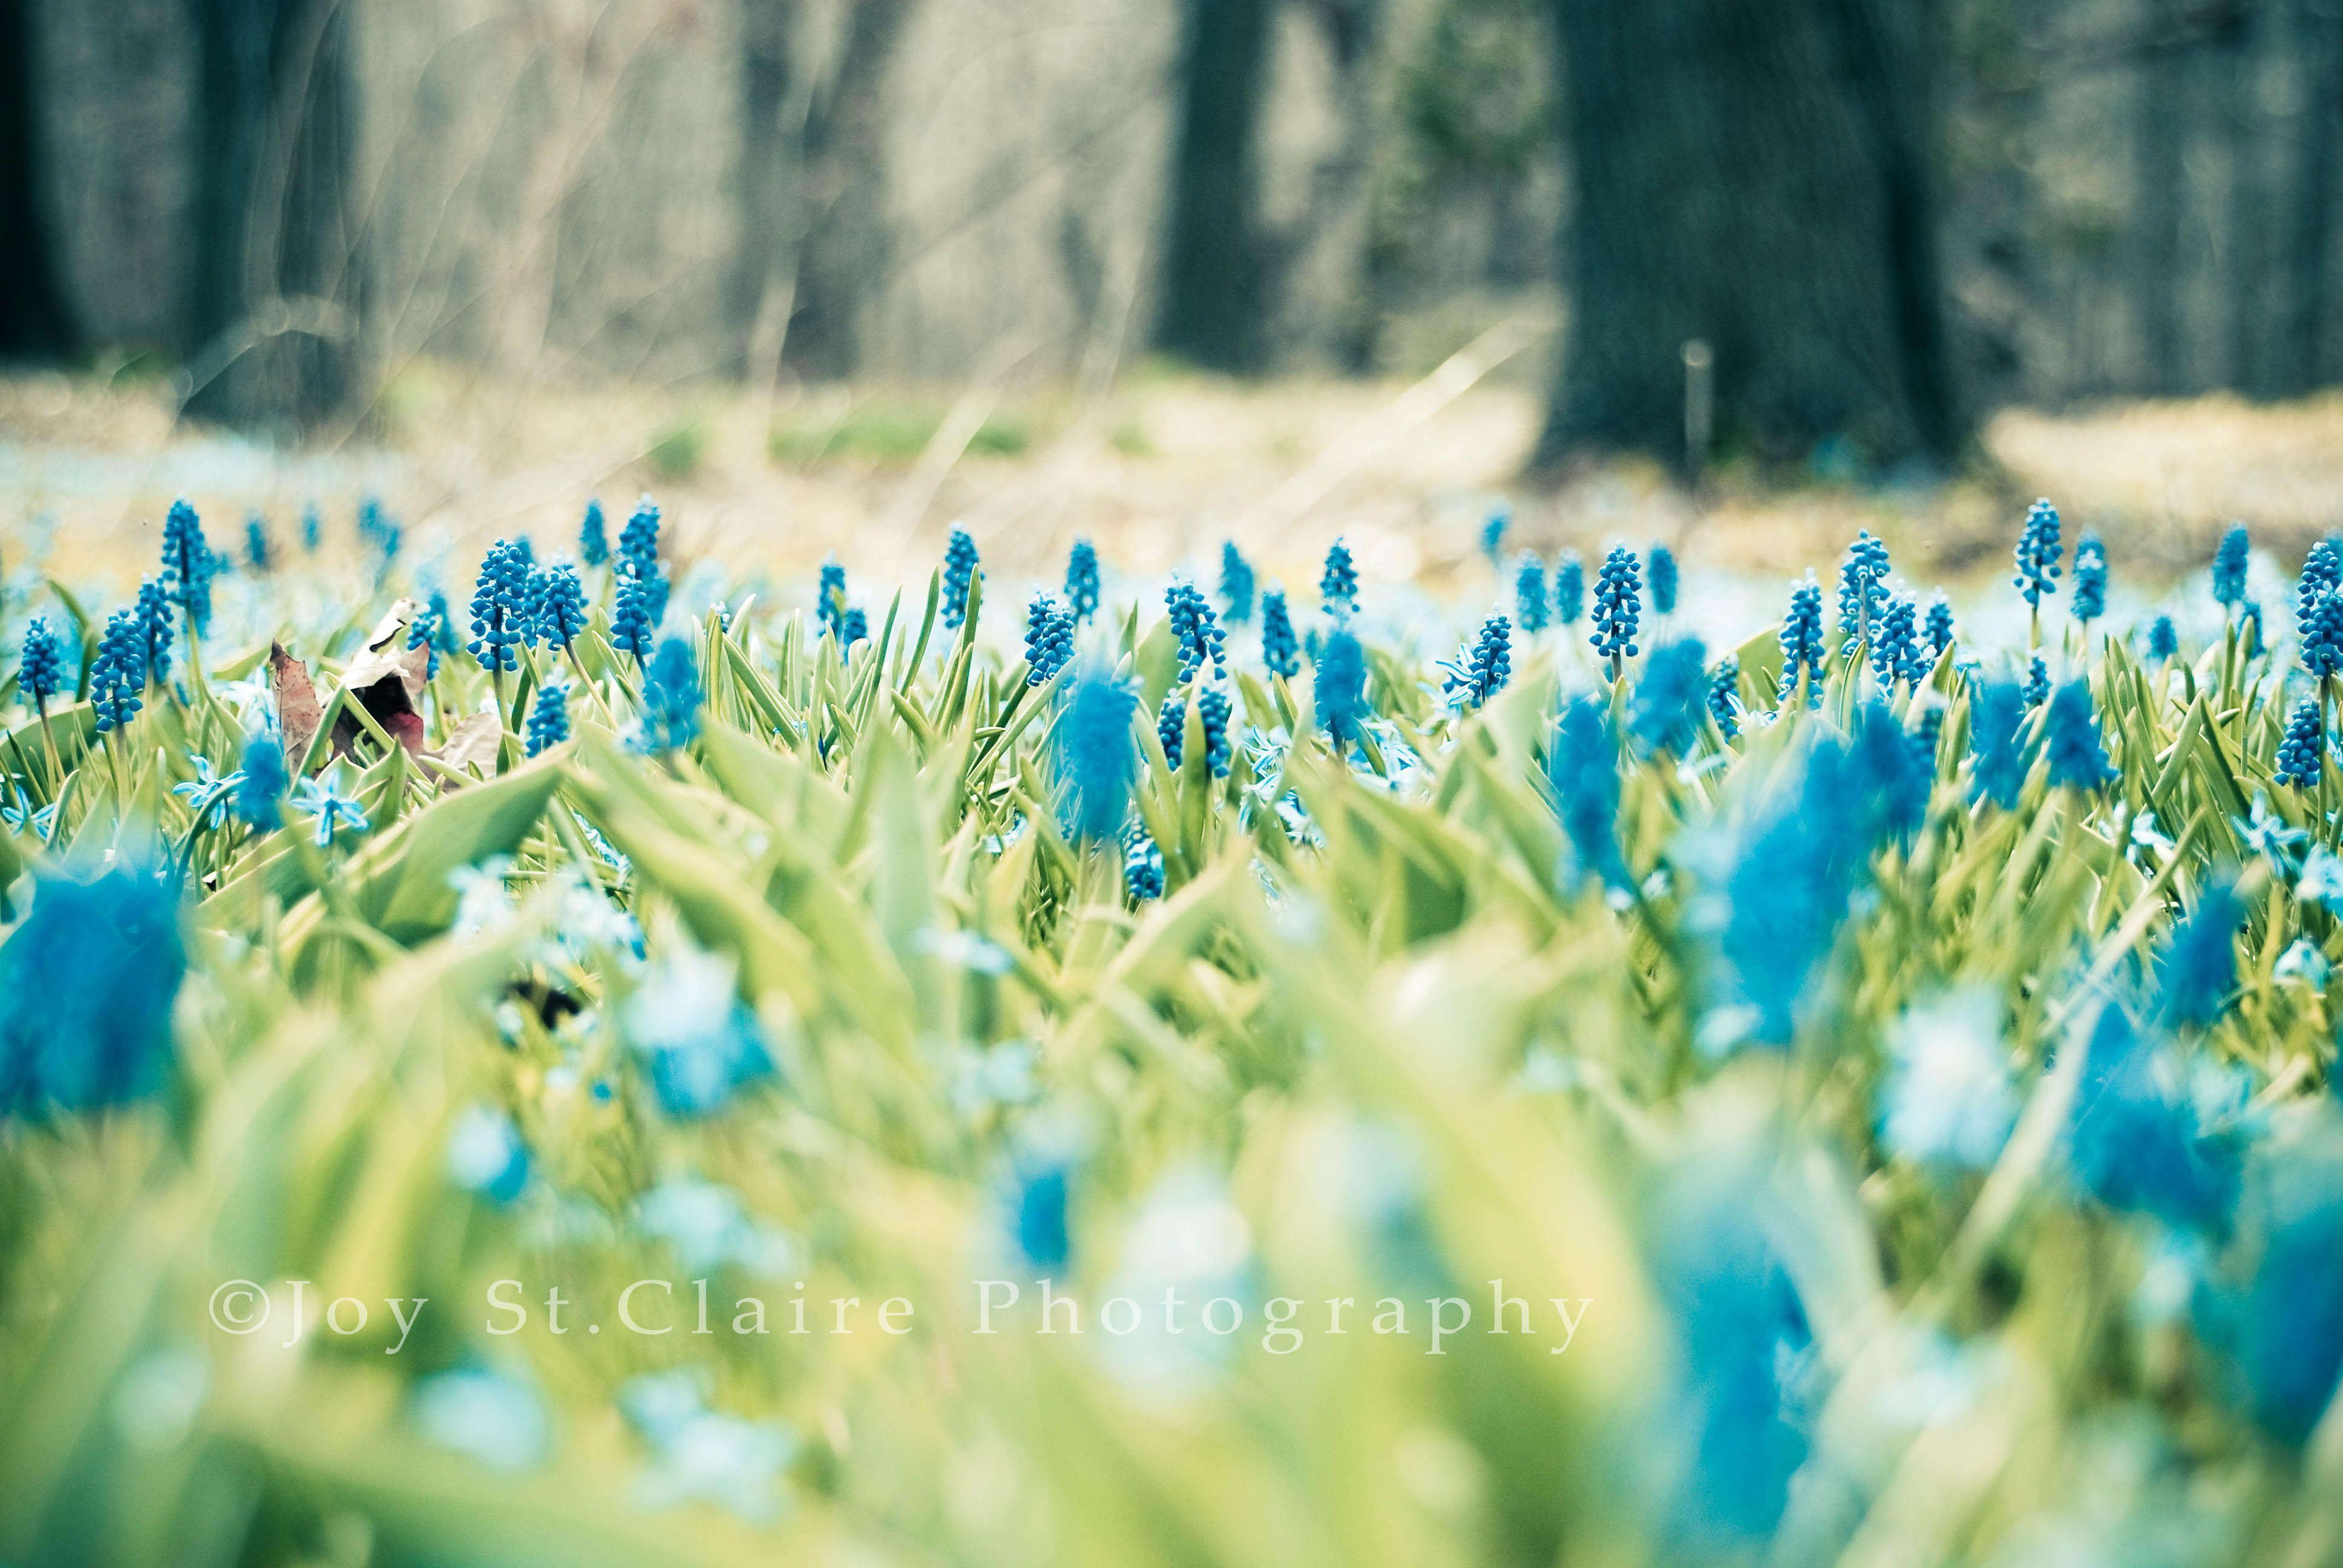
(2038, 550)
(1997, 709)
(830, 598)
(503, 608)
(1036, 1198)
(1338, 583)
(313, 527)
(119, 673)
(2134, 1142)
(1660, 579)
(548, 718)
(2301, 752)
(1896, 643)
(1949, 1100)
(1569, 589)
(1889, 779)
(1341, 679)
(1097, 757)
(2229, 567)
(1802, 642)
(1582, 770)
(2090, 579)
(2037, 690)
(2283, 1330)
(2071, 739)
(1483, 667)
(260, 789)
(671, 697)
(2200, 966)
(155, 627)
(700, 1042)
(1862, 585)
(1048, 639)
(1082, 580)
(41, 675)
(2322, 636)
(560, 605)
(856, 628)
(335, 810)
(1280, 653)
(960, 576)
(188, 563)
(1663, 713)
(1492, 531)
(2163, 638)
(1236, 584)
(1618, 605)
(1725, 695)
(593, 536)
(1529, 602)
(258, 551)
(1928, 733)
(1937, 633)
(1195, 626)
(492, 1417)
(87, 985)
(1786, 895)
(485, 1154)
(706, 1456)
(378, 528)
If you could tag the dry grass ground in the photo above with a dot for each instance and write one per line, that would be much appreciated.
(1159, 471)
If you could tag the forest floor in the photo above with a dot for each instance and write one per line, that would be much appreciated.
(1159, 470)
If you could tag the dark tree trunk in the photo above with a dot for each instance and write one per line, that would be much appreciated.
(1214, 267)
(848, 239)
(35, 322)
(2236, 67)
(1755, 175)
(2158, 199)
(2308, 227)
(276, 297)
(766, 180)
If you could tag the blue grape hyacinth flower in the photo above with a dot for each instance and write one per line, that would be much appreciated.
(1531, 605)
(561, 615)
(1569, 589)
(1582, 770)
(2090, 579)
(1896, 643)
(1618, 605)
(548, 719)
(1802, 643)
(2301, 752)
(1664, 712)
(1197, 629)
(258, 553)
(2322, 573)
(155, 625)
(1082, 580)
(1281, 653)
(1338, 583)
(2229, 559)
(1996, 711)
(41, 672)
(958, 577)
(1483, 666)
(2038, 550)
(1097, 756)
(671, 697)
(119, 674)
(593, 534)
(313, 527)
(86, 987)
(2071, 739)
(2163, 639)
(2136, 1143)
(2199, 969)
(1212, 713)
(1660, 579)
(1725, 695)
(1937, 631)
(1862, 587)
(1048, 639)
(1143, 870)
(188, 563)
(1172, 726)
(2322, 636)
(830, 600)
(1342, 687)
(1236, 584)
(260, 794)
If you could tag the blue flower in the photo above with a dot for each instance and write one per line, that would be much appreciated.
(262, 783)
(1886, 774)
(2229, 567)
(633, 626)
(1342, 687)
(2322, 636)
(377, 527)
(1192, 623)
(1896, 644)
(1725, 695)
(1802, 643)
(2281, 1328)
(1998, 774)
(2302, 751)
(960, 576)
(1618, 605)
(485, 1154)
(188, 565)
(671, 697)
(2135, 1143)
(1048, 639)
(503, 615)
(1236, 584)
(1485, 665)
(548, 719)
(2071, 739)
(1937, 633)
(1862, 584)
(256, 549)
(1569, 589)
(2038, 550)
(593, 540)
(2037, 682)
(1280, 653)
(1949, 1100)
(2250, 641)
(334, 808)
(119, 674)
(1492, 531)
(1172, 726)
(207, 795)
(1529, 602)
(856, 627)
(1213, 718)
(313, 527)
(2090, 579)
(155, 627)
(1143, 868)
(638, 542)
(1665, 711)
(1097, 757)
(2322, 573)
(829, 599)
(86, 987)
(1582, 769)
(561, 616)
(41, 673)
(1082, 580)
(702, 1043)
(432, 629)
(2163, 638)
(1662, 577)
(1786, 892)
(2200, 968)
(1338, 584)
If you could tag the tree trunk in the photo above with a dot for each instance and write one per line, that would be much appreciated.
(848, 239)
(2237, 77)
(1755, 175)
(35, 322)
(1212, 312)
(2308, 227)
(2158, 200)
(275, 296)
(766, 183)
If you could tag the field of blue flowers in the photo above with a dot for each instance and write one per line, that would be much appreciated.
(557, 1074)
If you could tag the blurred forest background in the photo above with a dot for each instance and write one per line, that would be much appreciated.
(1832, 239)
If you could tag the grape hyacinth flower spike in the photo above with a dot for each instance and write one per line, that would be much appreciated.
(1236, 584)
(593, 536)
(1661, 580)
(1569, 589)
(1802, 643)
(2038, 550)
(1280, 654)
(260, 795)
(2301, 750)
(1618, 607)
(155, 623)
(1199, 632)
(1338, 584)
(958, 577)
(188, 565)
(548, 718)
(1082, 580)
(2090, 580)
(1486, 665)
(1097, 756)
(1861, 588)
(119, 674)
(1341, 680)
(2230, 567)
(1725, 695)
(1531, 605)
(1048, 639)
(2071, 739)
